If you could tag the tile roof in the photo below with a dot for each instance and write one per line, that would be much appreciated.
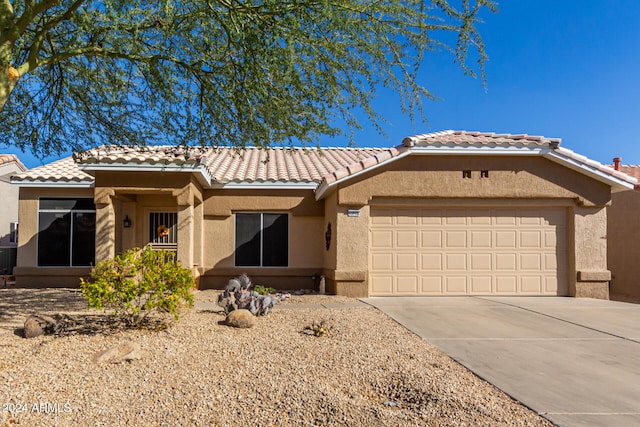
(631, 170)
(11, 158)
(325, 167)
(231, 165)
(466, 138)
(60, 171)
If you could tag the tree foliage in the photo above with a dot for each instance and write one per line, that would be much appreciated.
(139, 283)
(78, 73)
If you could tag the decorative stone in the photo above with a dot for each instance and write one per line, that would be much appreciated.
(126, 351)
(37, 325)
(240, 318)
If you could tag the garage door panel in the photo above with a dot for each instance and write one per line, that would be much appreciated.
(382, 217)
(456, 239)
(506, 284)
(456, 217)
(505, 262)
(407, 262)
(407, 285)
(506, 239)
(505, 217)
(481, 239)
(407, 239)
(530, 261)
(531, 284)
(382, 262)
(530, 239)
(456, 261)
(431, 285)
(431, 239)
(382, 239)
(382, 285)
(456, 285)
(482, 217)
(481, 284)
(468, 251)
(481, 262)
(432, 261)
(431, 217)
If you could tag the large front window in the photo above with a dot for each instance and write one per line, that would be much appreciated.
(66, 232)
(262, 240)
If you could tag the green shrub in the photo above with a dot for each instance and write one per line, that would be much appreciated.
(138, 283)
(263, 290)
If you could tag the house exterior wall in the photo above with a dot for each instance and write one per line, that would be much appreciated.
(206, 218)
(8, 215)
(9, 205)
(438, 181)
(623, 240)
(27, 272)
(306, 237)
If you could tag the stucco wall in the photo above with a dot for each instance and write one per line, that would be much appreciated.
(441, 176)
(623, 240)
(306, 241)
(512, 181)
(9, 203)
(27, 273)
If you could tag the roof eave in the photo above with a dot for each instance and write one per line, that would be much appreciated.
(202, 174)
(325, 187)
(592, 171)
(44, 183)
(264, 185)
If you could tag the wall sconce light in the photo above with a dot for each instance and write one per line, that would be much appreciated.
(126, 222)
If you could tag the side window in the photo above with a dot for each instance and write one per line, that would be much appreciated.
(262, 240)
(66, 232)
(13, 232)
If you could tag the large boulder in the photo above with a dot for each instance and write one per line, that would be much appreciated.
(38, 324)
(126, 351)
(240, 318)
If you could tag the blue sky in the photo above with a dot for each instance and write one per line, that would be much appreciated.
(568, 69)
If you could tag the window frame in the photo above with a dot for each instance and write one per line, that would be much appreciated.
(71, 213)
(262, 214)
(13, 232)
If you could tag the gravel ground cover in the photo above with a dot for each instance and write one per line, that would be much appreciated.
(368, 371)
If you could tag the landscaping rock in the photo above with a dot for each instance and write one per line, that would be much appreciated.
(240, 318)
(37, 325)
(122, 352)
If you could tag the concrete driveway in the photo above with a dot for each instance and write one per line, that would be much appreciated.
(574, 361)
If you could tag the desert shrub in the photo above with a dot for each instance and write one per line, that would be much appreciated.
(264, 290)
(139, 283)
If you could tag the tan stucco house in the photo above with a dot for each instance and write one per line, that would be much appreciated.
(446, 213)
(9, 165)
(623, 237)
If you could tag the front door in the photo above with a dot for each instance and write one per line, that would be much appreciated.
(163, 230)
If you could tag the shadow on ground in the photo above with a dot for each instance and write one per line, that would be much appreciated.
(23, 302)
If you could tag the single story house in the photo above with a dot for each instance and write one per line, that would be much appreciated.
(9, 165)
(623, 237)
(445, 213)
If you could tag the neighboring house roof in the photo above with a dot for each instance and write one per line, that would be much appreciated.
(303, 167)
(64, 172)
(11, 158)
(631, 170)
(5, 161)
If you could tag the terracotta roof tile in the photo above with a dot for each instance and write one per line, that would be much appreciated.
(466, 138)
(631, 170)
(64, 170)
(11, 158)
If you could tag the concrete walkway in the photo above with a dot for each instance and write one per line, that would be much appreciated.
(574, 361)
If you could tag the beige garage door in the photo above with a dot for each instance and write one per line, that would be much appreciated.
(468, 252)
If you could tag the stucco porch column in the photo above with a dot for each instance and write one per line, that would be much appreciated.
(187, 198)
(105, 224)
